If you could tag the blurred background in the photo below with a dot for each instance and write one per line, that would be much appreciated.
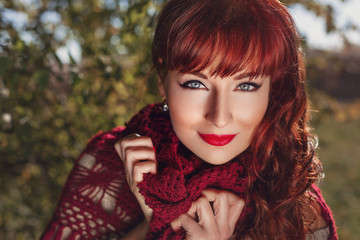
(70, 68)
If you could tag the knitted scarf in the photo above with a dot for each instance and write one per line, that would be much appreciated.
(181, 176)
(98, 175)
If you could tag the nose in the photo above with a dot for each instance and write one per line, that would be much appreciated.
(219, 111)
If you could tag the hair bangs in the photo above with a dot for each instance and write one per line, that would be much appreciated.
(254, 43)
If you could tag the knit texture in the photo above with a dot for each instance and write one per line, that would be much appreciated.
(97, 203)
(181, 176)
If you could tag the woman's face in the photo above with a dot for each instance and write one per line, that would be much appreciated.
(215, 117)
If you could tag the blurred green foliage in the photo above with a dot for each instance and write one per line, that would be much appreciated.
(339, 149)
(50, 108)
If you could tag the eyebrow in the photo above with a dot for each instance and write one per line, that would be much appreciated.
(238, 77)
(199, 75)
(242, 76)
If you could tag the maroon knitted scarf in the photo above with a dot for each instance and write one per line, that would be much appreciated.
(180, 180)
(181, 176)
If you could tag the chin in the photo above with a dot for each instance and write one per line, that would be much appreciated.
(216, 159)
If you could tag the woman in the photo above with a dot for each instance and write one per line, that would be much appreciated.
(227, 155)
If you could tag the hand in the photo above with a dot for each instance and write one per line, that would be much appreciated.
(214, 222)
(138, 155)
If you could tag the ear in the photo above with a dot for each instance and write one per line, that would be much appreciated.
(161, 87)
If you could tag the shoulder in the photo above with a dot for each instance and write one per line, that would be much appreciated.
(98, 166)
(318, 212)
(103, 140)
(100, 148)
(96, 200)
(313, 216)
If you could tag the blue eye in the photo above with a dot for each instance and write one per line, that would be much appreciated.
(192, 84)
(248, 86)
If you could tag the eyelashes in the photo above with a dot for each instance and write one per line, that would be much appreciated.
(193, 84)
(248, 86)
(197, 85)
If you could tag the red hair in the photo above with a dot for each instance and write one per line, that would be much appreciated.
(258, 37)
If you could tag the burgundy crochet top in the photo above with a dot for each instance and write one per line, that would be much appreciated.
(97, 203)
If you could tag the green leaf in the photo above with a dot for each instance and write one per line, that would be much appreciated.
(42, 78)
(75, 78)
(58, 60)
(118, 73)
(5, 64)
(15, 81)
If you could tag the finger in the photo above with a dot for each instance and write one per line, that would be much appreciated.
(192, 211)
(133, 140)
(132, 135)
(210, 194)
(118, 144)
(118, 149)
(137, 154)
(188, 223)
(221, 212)
(227, 206)
(236, 207)
(143, 167)
(221, 208)
(205, 213)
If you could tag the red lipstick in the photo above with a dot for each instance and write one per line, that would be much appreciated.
(217, 140)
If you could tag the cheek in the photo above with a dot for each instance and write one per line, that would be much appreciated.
(250, 113)
(184, 110)
(258, 105)
(177, 115)
(257, 113)
(185, 106)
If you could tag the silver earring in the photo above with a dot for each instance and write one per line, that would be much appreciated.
(165, 106)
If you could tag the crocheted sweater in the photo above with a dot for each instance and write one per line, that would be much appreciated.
(97, 203)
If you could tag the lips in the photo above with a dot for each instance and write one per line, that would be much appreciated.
(217, 140)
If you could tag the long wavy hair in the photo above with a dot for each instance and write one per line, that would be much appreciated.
(258, 37)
